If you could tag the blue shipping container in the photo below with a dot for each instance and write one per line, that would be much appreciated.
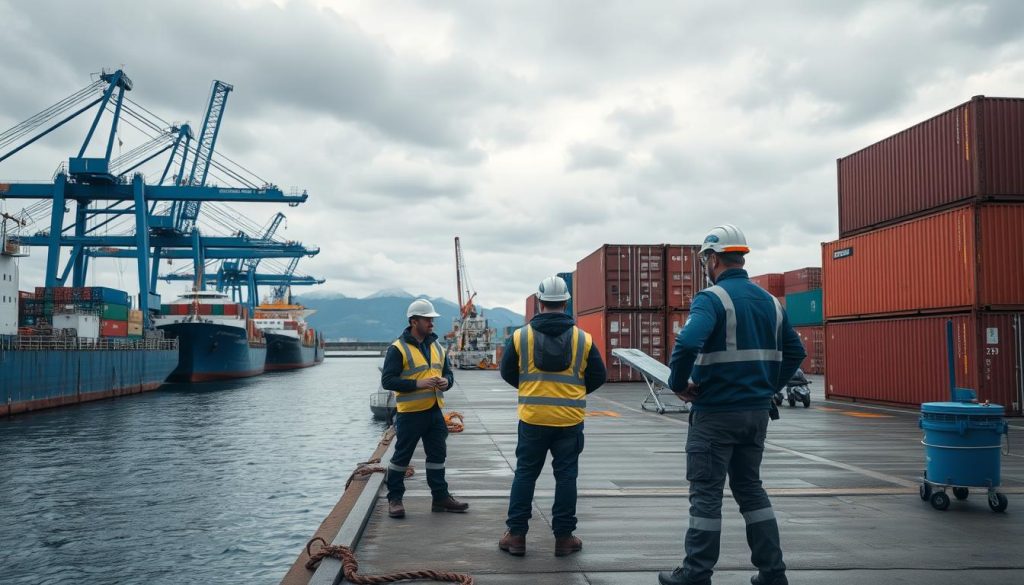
(804, 308)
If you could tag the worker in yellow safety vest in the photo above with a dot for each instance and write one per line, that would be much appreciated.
(416, 368)
(554, 364)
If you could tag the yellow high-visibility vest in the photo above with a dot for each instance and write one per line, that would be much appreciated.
(552, 399)
(416, 367)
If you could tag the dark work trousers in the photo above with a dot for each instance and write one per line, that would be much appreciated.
(720, 444)
(410, 427)
(565, 444)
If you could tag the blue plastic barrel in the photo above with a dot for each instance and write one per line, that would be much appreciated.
(962, 443)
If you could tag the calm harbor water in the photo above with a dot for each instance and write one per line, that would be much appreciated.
(207, 483)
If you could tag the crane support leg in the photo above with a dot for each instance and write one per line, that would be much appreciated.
(142, 245)
(56, 224)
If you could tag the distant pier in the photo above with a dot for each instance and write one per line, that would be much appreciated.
(350, 349)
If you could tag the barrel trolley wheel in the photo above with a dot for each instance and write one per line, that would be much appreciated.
(792, 401)
(940, 501)
(807, 401)
(961, 493)
(925, 491)
(997, 502)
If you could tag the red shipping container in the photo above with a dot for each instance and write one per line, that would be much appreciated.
(620, 277)
(674, 321)
(643, 330)
(972, 151)
(964, 258)
(903, 360)
(231, 309)
(774, 283)
(813, 338)
(110, 328)
(802, 279)
(532, 307)
(684, 276)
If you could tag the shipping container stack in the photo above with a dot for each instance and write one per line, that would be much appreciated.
(635, 296)
(930, 226)
(111, 306)
(803, 307)
(801, 293)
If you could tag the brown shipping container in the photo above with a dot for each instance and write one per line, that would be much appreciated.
(684, 276)
(620, 277)
(903, 361)
(802, 280)
(973, 151)
(531, 307)
(674, 321)
(774, 283)
(813, 338)
(963, 258)
(643, 330)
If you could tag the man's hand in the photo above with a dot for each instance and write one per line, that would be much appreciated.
(442, 383)
(425, 383)
(690, 394)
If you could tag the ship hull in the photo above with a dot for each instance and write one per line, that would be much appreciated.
(48, 378)
(211, 351)
(288, 353)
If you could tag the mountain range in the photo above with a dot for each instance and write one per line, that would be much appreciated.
(381, 316)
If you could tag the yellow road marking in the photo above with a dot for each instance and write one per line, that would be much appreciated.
(602, 413)
(867, 415)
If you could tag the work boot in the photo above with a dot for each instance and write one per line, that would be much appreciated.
(566, 545)
(676, 577)
(766, 579)
(448, 504)
(396, 509)
(513, 544)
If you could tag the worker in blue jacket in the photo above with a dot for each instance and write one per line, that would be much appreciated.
(735, 351)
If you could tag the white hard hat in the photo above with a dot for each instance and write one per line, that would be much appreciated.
(421, 308)
(553, 290)
(724, 239)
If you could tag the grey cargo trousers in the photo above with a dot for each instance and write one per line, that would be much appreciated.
(720, 444)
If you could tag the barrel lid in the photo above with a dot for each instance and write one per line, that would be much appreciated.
(968, 408)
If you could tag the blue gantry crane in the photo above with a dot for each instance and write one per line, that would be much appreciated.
(163, 217)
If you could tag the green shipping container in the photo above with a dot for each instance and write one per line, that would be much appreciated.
(217, 310)
(112, 312)
(804, 308)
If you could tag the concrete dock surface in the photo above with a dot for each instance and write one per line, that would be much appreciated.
(843, 481)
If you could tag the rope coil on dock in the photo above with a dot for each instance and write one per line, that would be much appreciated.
(366, 468)
(350, 567)
(453, 426)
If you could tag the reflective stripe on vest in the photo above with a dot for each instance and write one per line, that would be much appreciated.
(551, 398)
(732, 354)
(432, 365)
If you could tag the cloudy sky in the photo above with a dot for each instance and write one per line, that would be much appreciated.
(535, 130)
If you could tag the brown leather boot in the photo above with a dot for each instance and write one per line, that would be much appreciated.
(449, 504)
(566, 545)
(396, 509)
(513, 544)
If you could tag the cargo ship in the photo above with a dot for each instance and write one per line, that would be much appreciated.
(291, 342)
(217, 339)
(65, 345)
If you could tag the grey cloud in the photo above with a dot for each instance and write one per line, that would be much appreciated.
(301, 58)
(638, 122)
(584, 157)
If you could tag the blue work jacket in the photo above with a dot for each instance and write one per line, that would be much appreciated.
(737, 346)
